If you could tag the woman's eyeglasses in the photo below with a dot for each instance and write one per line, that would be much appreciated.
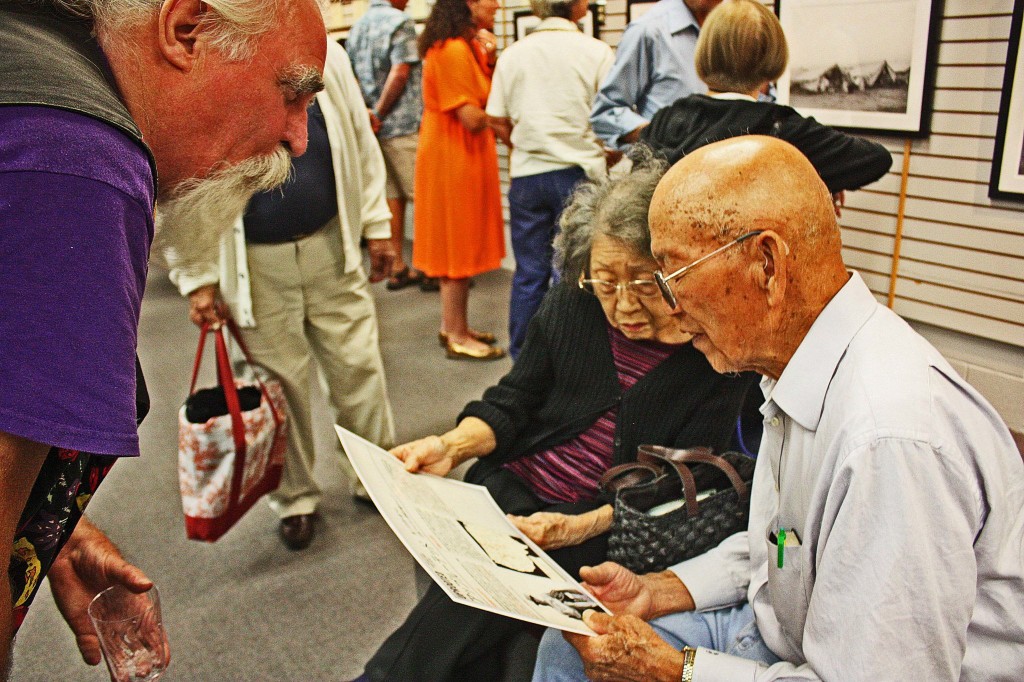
(641, 288)
(663, 280)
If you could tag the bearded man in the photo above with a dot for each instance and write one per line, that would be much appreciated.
(97, 99)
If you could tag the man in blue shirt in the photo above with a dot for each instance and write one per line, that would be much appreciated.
(653, 68)
(382, 46)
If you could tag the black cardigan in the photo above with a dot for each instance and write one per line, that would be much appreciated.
(565, 378)
(843, 161)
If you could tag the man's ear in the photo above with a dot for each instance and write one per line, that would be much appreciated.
(178, 31)
(773, 252)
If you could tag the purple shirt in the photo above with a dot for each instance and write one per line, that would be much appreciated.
(76, 222)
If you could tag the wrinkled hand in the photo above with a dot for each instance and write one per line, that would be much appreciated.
(489, 42)
(382, 255)
(838, 201)
(553, 531)
(626, 649)
(88, 564)
(427, 455)
(205, 306)
(620, 589)
(374, 121)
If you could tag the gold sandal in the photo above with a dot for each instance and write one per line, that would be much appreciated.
(483, 337)
(457, 351)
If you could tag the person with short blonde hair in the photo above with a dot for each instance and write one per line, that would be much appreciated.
(741, 47)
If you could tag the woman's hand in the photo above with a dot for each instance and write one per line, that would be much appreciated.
(553, 531)
(489, 42)
(428, 455)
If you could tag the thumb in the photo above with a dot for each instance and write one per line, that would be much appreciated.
(89, 646)
(130, 576)
(599, 622)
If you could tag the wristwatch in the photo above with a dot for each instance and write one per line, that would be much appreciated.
(689, 653)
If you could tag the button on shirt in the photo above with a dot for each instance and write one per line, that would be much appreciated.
(653, 68)
(906, 492)
(383, 37)
(545, 83)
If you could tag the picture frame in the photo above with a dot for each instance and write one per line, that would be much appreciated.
(637, 8)
(863, 66)
(1007, 179)
(525, 21)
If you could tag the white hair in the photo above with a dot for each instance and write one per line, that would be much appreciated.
(233, 24)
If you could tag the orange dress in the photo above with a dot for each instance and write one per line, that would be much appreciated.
(460, 230)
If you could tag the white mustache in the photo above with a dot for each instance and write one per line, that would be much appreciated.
(191, 223)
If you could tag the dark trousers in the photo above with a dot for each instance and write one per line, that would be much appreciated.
(442, 641)
(535, 202)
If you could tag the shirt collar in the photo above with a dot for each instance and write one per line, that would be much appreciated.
(380, 3)
(556, 24)
(732, 95)
(680, 17)
(800, 391)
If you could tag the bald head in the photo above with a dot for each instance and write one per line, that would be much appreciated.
(751, 305)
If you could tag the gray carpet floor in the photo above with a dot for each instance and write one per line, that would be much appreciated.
(246, 608)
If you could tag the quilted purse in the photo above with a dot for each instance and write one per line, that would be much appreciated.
(231, 443)
(671, 505)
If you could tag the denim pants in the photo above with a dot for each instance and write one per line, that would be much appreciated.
(730, 630)
(535, 202)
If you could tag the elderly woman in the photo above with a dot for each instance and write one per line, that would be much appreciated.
(741, 50)
(603, 370)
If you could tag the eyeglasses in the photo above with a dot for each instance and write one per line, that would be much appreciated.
(641, 288)
(663, 280)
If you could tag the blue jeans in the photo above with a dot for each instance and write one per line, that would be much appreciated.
(731, 630)
(535, 202)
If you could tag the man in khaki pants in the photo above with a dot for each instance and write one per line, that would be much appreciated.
(290, 273)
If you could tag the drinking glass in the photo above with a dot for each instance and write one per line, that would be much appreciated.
(131, 633)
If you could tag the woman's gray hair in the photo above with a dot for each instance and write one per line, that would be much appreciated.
(234, 24)
(552, 8)
(615, 208)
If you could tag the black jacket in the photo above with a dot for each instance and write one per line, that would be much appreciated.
(565, 378)
(843, 161)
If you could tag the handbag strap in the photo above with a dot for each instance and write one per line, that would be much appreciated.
(237, 336)
(227, 381)
(678, 459)
(627, 475)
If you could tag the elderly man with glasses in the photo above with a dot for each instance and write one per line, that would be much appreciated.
(887, 509)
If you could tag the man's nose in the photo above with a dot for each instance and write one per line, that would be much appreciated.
(296, 135)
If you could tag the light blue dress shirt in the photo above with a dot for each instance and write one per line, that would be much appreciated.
(653, 68)
(903, 493)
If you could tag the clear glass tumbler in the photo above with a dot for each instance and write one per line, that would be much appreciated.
(131, 633)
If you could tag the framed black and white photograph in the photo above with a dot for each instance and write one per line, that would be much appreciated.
(526, 21)
(1007, 180)
(866, 65)
(637, 8)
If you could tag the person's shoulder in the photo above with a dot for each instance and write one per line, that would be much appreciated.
(46, 139)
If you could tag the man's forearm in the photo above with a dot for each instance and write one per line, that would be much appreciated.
(393, 87)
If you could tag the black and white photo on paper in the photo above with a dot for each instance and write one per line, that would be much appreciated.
(862, 64)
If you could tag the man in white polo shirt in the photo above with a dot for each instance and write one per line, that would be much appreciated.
(553, 146)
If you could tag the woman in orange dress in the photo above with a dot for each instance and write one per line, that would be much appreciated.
(459, 223)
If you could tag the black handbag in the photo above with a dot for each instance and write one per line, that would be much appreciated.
(671, 505)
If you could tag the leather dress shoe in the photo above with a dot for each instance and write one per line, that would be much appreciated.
(297, 531)
(483, 337)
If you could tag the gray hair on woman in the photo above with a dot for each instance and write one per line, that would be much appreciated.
(552, 8)
(615, 208)
(234, 24)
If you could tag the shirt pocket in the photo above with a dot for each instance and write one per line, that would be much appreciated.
(786, 591)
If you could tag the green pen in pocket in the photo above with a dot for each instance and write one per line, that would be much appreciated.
(781, 541)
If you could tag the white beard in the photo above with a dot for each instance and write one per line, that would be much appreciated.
(199, 212)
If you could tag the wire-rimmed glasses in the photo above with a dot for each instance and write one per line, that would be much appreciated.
(663, 280)
(641, 288)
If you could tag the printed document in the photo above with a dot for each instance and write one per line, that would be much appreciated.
(462, 539)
